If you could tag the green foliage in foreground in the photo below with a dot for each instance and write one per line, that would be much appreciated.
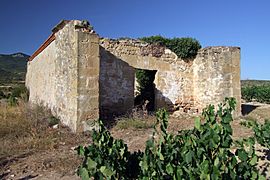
(257, 93)
(261, 132)
(108, 157)
(185, 48)
(205, 152)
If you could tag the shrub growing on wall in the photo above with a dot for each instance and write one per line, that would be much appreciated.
(185, 48)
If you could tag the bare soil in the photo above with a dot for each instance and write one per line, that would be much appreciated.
(49, 153)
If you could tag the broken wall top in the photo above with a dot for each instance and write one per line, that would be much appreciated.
(137, 48)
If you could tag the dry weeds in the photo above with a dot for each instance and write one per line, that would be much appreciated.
(29, 147)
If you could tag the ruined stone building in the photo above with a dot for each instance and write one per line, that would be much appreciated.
(80, 76)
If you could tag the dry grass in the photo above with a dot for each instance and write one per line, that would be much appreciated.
(22, 129)
(29, 145)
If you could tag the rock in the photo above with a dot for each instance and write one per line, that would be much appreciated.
(55, 126)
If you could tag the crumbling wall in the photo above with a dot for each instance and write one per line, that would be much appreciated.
(173, 77)
(80, 77)
(216, 76)
(187, 86)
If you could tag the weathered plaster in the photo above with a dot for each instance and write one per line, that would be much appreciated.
(82, 77)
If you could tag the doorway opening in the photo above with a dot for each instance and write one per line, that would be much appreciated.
(144, 90)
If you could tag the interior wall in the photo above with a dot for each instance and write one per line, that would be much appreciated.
(116, 85)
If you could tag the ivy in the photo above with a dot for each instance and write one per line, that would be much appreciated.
(185, 48)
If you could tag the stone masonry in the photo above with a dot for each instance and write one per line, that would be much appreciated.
(81, 77)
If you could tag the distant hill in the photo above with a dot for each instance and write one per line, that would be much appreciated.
(13, 67)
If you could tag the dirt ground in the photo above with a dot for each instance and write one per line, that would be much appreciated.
(23, 159)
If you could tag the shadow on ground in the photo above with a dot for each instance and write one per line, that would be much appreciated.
(248, 108)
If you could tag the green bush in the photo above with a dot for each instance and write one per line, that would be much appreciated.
(145, 79)
(204, 152)
(185, 48)
(12, 101)
(261, 131)
(257, 93)
(17, 92)
(107, 157)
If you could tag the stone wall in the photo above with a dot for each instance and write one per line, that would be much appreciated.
(41, 77)
(88, 78)
(190, 85)
(81, 77)
(216, 76)
(173, 77)
(66, 75)
(63, 77)
(116, 85)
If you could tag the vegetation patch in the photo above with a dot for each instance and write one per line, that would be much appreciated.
(185, 48)
(256, 93)
(203, 152)
(261, 131)
(135, 123)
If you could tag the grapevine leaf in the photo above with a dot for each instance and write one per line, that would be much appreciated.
(169, 169)
(198, 123)
(91, 164)
(83, 173)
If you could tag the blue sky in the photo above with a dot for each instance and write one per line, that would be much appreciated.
(25, 24)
